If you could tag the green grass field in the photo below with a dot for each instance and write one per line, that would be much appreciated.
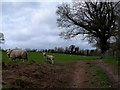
(59, 58)
(38, 57)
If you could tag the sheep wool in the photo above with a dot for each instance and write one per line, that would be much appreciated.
(13, 54)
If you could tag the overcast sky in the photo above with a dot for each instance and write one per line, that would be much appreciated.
(33, 25)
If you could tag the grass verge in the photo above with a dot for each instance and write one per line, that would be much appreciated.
(96, 78)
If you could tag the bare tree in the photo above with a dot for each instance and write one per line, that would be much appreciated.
(76, 49)
(2, 38)
(95, 20)
(71, 48)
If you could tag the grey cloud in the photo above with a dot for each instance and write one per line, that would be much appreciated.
(14, 7)
(33, 28)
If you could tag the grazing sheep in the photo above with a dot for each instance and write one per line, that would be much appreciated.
(20, 54)
(49, 57)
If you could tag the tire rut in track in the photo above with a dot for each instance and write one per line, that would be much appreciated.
(78, 75)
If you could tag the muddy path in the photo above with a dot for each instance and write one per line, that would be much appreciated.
(78, 75)
(84, 74)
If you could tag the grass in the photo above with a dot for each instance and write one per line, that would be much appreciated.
(96, 77)
(102, 77)
(112, 61)
(59, 58)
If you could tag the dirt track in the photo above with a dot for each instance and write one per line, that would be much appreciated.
(79, 73)
(42, 75)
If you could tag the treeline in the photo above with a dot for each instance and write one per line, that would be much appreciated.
(72, 49)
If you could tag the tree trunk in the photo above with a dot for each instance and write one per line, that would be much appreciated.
(104, 46)
(102, 55)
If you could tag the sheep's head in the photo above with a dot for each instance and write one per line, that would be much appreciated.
(44, 54)
(8, 52)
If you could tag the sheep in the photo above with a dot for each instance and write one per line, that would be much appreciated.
(49, 57)
(20, 54)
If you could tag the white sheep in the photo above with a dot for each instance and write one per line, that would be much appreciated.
(49, 57)
(13, 54)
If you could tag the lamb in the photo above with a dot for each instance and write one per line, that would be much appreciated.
(49, 57)
(20, 54)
